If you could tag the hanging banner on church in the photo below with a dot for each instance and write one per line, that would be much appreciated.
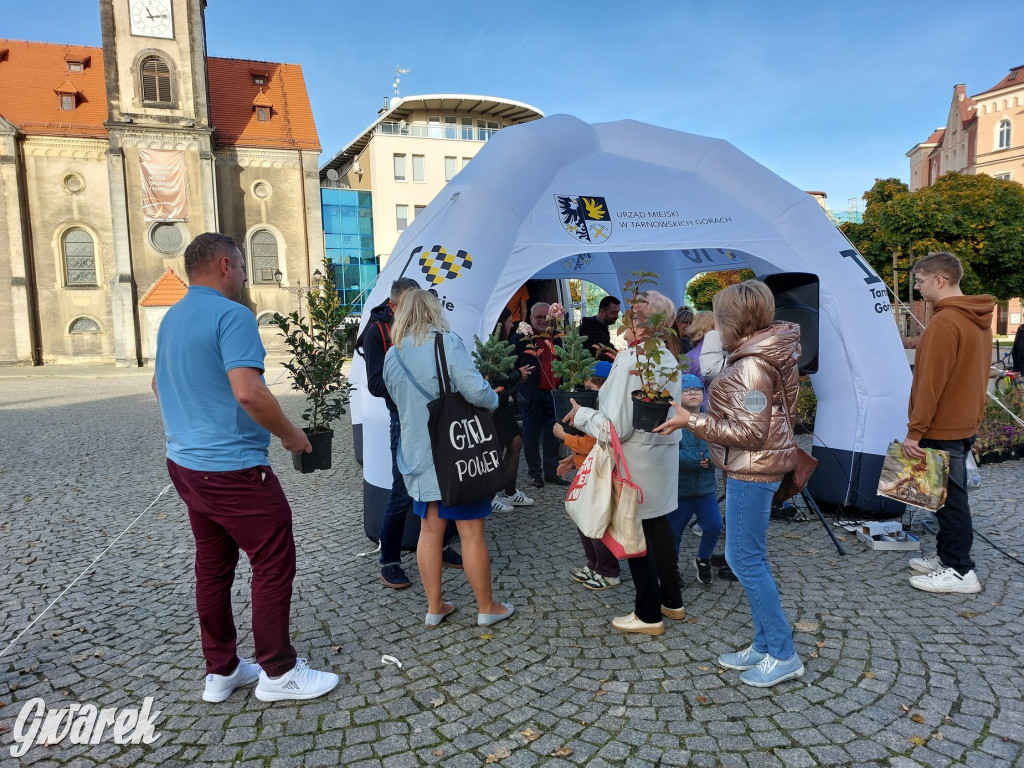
(163, 185)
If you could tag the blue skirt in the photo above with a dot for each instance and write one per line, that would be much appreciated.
(473, 511)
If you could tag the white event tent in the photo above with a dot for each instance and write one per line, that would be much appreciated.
(560, 198)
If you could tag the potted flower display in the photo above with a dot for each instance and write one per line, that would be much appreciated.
(317, 345)
(655, 366)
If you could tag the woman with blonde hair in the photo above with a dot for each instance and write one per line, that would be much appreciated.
(410, 373)
(654, 464)
(751, 405)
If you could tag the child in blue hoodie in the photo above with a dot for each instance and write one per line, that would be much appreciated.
(697, 491)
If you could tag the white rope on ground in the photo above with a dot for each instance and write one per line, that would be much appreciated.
(87, 569)
(358, 554)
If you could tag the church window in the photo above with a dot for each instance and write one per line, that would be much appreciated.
(79, 257)
(264, 252)
(84, 325)
(156, 80)
(1004, 134)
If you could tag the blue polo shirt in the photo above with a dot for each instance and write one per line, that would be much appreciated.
(201, 338)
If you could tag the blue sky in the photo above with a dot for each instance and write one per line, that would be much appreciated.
(828, 95)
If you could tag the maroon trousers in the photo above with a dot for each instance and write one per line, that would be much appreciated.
(244, 509)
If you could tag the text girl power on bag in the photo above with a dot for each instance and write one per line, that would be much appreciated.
(463, 435)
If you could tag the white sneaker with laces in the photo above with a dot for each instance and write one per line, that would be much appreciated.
(219, 687)
(518, 499)
(300, 682)
(499, 504)
(926, 564)
(947, 580)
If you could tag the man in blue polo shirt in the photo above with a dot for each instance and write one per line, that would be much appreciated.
(218, 416)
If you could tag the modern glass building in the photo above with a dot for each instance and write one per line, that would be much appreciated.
(348, 240)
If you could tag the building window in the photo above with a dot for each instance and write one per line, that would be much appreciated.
(76, 66)
(263, 250)
(467, 128)
(259, 80)
(451, 127)
(417, 168)
(465, 161)
(67, 101)
(263, 114)
(84, 325)
(156, 80)
(399, 167)
(79, 257)
(434, 130)
(450, 168)
(401, 217)
(1005, 176)
(418, 209)
(1004, 134)
(486, 129)
(266, 319)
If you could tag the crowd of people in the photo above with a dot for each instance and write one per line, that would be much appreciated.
(732, 411)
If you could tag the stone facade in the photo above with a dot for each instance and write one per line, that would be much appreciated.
(79, 251)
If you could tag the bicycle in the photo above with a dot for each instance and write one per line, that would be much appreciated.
(1003, 363)
(1006, 382)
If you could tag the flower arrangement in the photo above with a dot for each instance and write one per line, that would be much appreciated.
(1000, 433)
(649, 332)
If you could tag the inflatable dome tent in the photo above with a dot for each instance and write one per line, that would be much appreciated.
(560, 198)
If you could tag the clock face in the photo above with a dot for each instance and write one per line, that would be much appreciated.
(151, 18)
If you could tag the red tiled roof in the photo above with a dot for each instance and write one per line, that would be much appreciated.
(231, 105)
(936, 137)
(28, 75)
(66, 87)
(166, 292)
(29, 71)
(966, 106)
(262, 100)
(1013, 78)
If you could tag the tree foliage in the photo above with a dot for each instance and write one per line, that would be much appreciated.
(979, 218)
(703, 288)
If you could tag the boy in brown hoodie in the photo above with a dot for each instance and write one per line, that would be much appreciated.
(947, 405)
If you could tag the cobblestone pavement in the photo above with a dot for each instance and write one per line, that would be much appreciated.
(894, 677)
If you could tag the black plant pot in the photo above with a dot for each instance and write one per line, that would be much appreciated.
(320, 457)
(648, 414)
(586, 398)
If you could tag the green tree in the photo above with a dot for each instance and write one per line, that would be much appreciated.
(979, 218)
(701, 289)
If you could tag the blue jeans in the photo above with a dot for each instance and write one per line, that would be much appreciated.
(392, 525)
(748, 507)
(538, 421)
(708, 518)
(956, 529)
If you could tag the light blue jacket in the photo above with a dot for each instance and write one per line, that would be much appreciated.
(415, 460)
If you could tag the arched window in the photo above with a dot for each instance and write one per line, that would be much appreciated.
(1004, 135)
(156, 81)
(266, 320)
(263, 250)
(79, 257)
(84, 325)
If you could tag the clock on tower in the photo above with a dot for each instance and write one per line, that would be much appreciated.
(151, 18)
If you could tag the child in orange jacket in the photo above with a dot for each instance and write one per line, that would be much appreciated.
(602, 568)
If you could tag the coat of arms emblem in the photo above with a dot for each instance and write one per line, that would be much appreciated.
(585, 218)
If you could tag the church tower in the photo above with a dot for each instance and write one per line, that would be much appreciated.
(160, 159)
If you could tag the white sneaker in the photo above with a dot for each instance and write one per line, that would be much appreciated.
(926, 564)
(947, 580)
(498, 504)
(518, 499)
(299, 683)
(219, 687)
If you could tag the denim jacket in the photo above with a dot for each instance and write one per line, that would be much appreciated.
(415, 459)
(694, 480)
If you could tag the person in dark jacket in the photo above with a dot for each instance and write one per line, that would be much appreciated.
(597, 328)
(1017, 353)
(373, 344)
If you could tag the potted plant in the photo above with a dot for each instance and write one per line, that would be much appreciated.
(655, 366)
(317, 345)
(495, 358)
(573, 364)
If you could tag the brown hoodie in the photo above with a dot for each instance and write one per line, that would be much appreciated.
(951, 367)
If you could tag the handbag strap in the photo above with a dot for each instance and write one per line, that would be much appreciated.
(412, 381)
(444, 383)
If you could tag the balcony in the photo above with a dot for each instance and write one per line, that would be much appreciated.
(427, 131)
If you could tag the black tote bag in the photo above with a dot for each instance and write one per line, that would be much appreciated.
(463, 441)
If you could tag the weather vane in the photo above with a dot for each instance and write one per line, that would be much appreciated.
(398, 73)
